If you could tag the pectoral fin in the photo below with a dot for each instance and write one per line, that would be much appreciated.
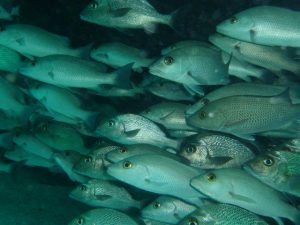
(294, 184)
(132, 133)
(51, 75)
(220, 160)
(165, 117)
(21, 41)
(235, 122)
(120, 12)
(103, 197)
(241, 198)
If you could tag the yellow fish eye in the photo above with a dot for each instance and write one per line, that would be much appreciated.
(156, 205)
(127, 165)
(193, 221)
(168, 60)
(211, 177)
(202, 115)
(233, 20)
(268, 162)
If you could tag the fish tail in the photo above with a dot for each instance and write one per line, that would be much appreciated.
(84, 52)
(121, 77)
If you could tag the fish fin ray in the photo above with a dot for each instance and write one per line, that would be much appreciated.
(221, 160)
(103, 197)
(132, 133)
(241, 198)
(120, 12)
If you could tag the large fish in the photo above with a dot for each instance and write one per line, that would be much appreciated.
(237, 187)
(246, 115)
(69, 71)
(266, 25)
(122, 14)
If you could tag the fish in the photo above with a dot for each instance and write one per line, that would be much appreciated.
(62, 102)
(167, 209)
(245, 89)
(192, 66)
(272, 58)
(10, 60)
(237, 187)
(32, 41)
(134, 129)
(181, 133)
(131, 14)
(70, 71)
(124, 152)
(60, 136)
(215, 151)
(170, 90)
(224, 214)
(94, 163)
(186, 43)
(100, 193)
(153, 222)
(32, 145)
(278, 169)
(158, 174)
(8, 14)
(117, 54)
(66, 160)
(169, 114)
(103, 216)
(264, 25)
(246, 115)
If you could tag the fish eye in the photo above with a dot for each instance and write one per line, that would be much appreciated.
(123, 150)
(205, 101)
(88, 159)
(156, 205)
(193, 221)
(202, 115)
(43, 126)
(268, 162)
(83, 188)
(168, 60)
(233, 20)
(111, 123)
(94, 5)
(211, 177)
(127, 165)
(33, 62)
(191, 149)
(80, 221)
(67, 153)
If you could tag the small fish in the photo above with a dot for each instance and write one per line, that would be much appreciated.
(215, 151)
(60, 136)
(94, 164)
(169, 114)
(69, 71)
(103, 216)
(272, 58)
(134, 129)
(32, 41)
(246, 115)
(259, 24)
(100, 193)
(10, 60)
(132, 14)
(117, 55)
(278, 169)
(169, 90)
(237, 187)
(167, 209)
(123, 152)
(158, 174)
(32, 145)
(59, 101)
(222, 214)
(192, 66)
(66, 160)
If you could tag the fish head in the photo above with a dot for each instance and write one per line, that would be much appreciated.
(170, 67)
(81, 192)
(110, 128)
(266, 165)
(128, 170)
(39, 91)
(118, 154)
(10, 36)
(96, 12)
(36, 68)
(84, 219)
(102, 54)
(210, 183)
(209, 117)
(88, 164)
(195, 153)
(198, 217)
(161, 207)
(238, 26)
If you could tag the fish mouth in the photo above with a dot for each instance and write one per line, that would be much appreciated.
(156, 72)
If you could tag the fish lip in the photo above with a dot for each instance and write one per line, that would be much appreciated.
(156, 72)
